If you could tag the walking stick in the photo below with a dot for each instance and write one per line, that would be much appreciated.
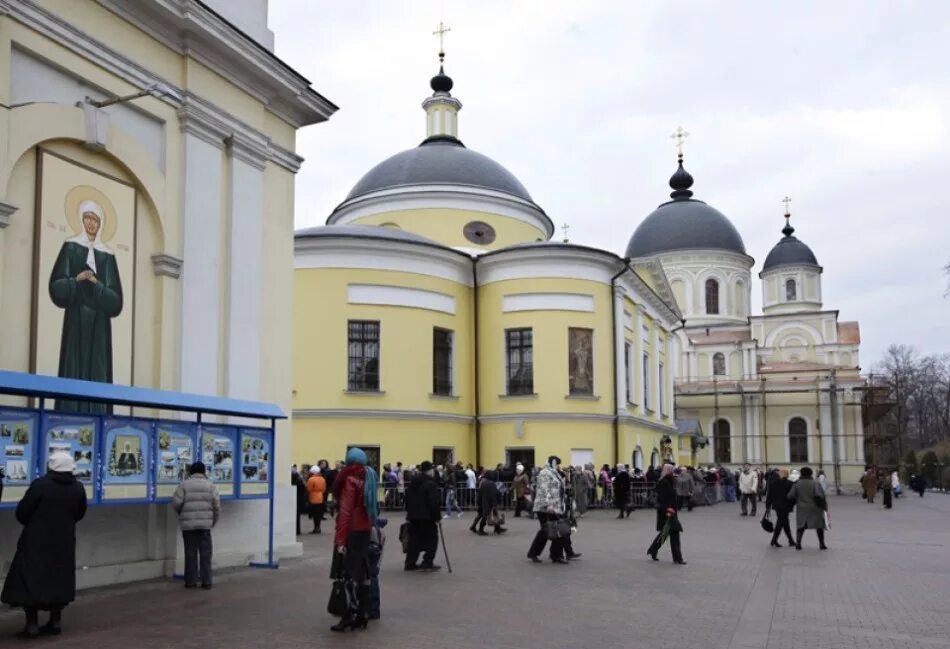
(448, 564)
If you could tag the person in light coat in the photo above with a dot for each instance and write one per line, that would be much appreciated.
(748, 486)
(198, 505)
(809, 515)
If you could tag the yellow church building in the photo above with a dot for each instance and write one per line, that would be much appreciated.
(436, 319)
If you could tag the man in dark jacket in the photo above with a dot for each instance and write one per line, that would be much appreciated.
(423, 513)
(42, 575)
(622, 491)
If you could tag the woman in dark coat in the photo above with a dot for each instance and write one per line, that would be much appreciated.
(777, 499)
(488, 498)
(809, 515)
(666, 509)
(42, 575)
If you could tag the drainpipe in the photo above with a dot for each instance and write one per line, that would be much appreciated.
(613, 320)
(476, 364)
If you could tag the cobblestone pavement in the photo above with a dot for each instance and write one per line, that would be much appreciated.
(884, 584)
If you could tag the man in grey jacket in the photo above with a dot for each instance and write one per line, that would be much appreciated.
(198, 505)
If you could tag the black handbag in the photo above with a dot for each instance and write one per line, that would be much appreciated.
(557, 529)
(767, 524)
(337, 603)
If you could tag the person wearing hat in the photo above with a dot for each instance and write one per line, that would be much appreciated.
(42, 575)
(316, 493)
(777, 498)
(423, 513)
(811, 504)
(198, 505)
(549, 506)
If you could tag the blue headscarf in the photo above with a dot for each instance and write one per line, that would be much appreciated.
(371, 481)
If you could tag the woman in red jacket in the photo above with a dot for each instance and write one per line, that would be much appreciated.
(355, 491)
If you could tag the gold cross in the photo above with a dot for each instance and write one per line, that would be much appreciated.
(787, 200)
(565, 227)
(440, 32)
(679, 136)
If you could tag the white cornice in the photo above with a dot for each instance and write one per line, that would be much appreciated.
(6, 209)
(640, 421)
(361, 413)
(248, 150)
(459, 197)
(206, 119)
(166, 265)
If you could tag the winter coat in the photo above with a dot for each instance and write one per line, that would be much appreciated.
(351, 506)
(748, 482)
(298, 482)
(43, 571)
(808, 514)
(488, 496)
(197, 503)
(621, 488)
(549, 491)
(777, 495)
(316, 489)
(869, 483)
(684, 484)
(665, 499)
(422, 499)
(520, 485)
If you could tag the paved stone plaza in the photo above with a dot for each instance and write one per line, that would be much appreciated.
(885, 583)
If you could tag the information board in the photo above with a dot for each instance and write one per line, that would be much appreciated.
(17, 430)
(217, 454)
(175, 453)
(126, 457)
(255, 462)
(76, 436)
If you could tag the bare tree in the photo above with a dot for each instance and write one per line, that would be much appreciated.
(920, 390)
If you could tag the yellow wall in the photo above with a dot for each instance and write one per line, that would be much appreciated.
(548, 438)
(446, 225)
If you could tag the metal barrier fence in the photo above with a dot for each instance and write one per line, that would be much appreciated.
(642, 496)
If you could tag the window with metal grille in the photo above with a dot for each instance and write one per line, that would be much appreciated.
(661, 391)
(722, 442)
(363, 355)
(627, 353)
(798, 440)
(712, 296)
(646, 380)
(441, 361)
(791, 290)
(519, 348)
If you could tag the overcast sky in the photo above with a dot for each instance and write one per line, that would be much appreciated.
(843, 106)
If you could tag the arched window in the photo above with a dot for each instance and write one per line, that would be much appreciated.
(798, 441)
(719, 364)
(791, 290)
(638, 458)
(712, 296)
(722, 442)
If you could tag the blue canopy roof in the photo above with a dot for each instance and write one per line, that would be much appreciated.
(53, 387)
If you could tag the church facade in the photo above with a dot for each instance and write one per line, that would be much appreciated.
(435, 317)
(152, 143)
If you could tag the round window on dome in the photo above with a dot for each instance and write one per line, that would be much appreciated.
(479, 232)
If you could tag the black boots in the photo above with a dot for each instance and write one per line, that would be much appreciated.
(798, 539)
(356, 613)
(32, 628)
(821, 540)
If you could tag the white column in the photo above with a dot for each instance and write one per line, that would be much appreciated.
(621, 373)
(753, 436)
(655, 367)
(842, 426)
(858, 430)
(694, 365)
(669, 375)
(636, 369)
(827, 453)
(201, 253)
(246, 211)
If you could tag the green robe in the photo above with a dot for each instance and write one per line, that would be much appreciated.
(85, 351)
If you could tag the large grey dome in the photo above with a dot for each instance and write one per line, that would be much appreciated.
(439, 160)
(684, 223)
(789, 251)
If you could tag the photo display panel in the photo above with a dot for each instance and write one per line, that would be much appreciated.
(126, 458)
(217, 454)
(17, 431)
(175, 452)
(75, 435)
(255, 459)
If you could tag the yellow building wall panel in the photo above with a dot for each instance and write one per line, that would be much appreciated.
(547, 437)
(446, 226)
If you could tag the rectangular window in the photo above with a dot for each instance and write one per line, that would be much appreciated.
(363, 353)
(441, 361)
(580, 349)
(627, 352)
(661, 391)
(646, 380)
(519, 350)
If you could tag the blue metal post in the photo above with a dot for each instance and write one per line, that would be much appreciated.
(270, 501)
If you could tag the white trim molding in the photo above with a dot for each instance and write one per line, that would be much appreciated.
(547, 302)
(360, 413)
(400, 296)
(6, 211)
(164, 265)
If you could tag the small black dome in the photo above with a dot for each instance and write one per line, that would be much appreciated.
(684, 223)
(441, 82)
(789, 251)
(439, 161)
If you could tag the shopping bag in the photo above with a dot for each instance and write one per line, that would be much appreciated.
(337, 604)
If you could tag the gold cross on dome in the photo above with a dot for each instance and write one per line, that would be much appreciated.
(440, 32)
(565, 227)
(679, 136)
(787, 200)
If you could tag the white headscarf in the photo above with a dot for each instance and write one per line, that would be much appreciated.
(314, 470)
(83, 239)
(62, 462)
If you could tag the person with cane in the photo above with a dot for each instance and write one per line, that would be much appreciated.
(423, 512)
(667, 522)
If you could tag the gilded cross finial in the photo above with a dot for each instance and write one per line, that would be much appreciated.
(787, 200)
(679, 136)
(565, 228)
(440, 32)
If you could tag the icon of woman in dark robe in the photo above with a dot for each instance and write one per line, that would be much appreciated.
(128, 463)
(85, 283)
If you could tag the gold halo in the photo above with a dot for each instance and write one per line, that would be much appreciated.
(81, 193)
